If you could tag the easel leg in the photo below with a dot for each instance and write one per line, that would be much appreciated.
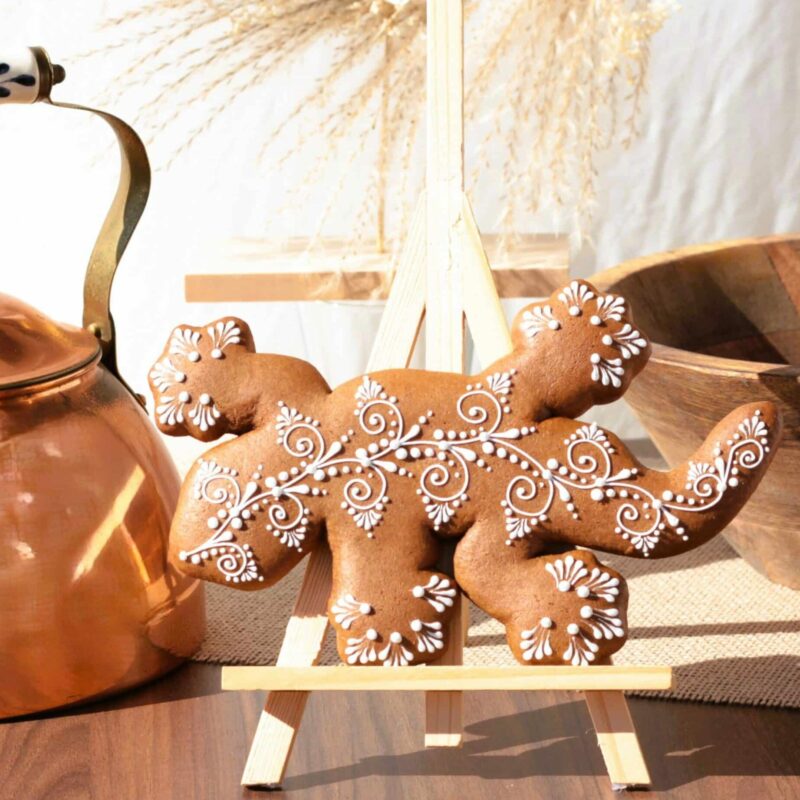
(617, 738)
(444, 711)
(302, 644)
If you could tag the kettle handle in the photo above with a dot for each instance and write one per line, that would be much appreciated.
(28, 78)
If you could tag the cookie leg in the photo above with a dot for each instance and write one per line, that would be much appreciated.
(558, 608)
(388, 604)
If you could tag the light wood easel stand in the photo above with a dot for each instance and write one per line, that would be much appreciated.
(444, 276)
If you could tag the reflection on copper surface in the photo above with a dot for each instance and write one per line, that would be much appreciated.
(89, 604)
(114, 519)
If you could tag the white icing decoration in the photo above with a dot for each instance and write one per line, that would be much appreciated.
(610, 306)
(572, 574)
(581, 649)
(222, 334)
(368, 390)
(428, 634)
(629, 341)
(603, 623)
(500, 383)
(346, 610)
(517, 527)
(171, 409)
(184, 342)
(599, 584)
(396, 654)
(362, 649)
(535, 643)
(537, 319)
(566, 572)
(286, 512)
(286, 417)
(586, 468)
(607, 370)
(204, 414)
(165, 375)
(437, 591)
(575, 296)
(641, 517)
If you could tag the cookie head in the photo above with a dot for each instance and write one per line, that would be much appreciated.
(197, 380)
(583, 345)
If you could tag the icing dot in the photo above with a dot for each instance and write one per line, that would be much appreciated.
(184, 397)
(607, 340)
(236, 523)
(365, 608)
(586, 612)
(595, 358)
(180, 377)
(554, 324)
(416, 625)
(667, 495)
(418, 591)
(546, 622)
(205, 399)
(583, 592)
(564, 586)
(595, 320)
(574, 311)
(552, 463)
(572, 629)
(596, 494)
(395, 637)
(213, 523)
(194, 356)
(372, 634)
(216, 353)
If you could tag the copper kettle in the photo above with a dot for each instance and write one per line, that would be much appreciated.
(89, 603)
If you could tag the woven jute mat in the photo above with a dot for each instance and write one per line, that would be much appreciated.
(731, 635)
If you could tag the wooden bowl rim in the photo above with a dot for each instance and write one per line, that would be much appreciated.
(665, 354)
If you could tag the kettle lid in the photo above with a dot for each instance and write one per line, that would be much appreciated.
(34, 348)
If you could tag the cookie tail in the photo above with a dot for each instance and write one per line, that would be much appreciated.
(657, 514)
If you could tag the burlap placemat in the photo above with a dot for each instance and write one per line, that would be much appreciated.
(732, 636)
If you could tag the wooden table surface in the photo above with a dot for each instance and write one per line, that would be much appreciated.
(183, 738)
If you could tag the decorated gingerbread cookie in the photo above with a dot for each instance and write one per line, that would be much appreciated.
(389, 465)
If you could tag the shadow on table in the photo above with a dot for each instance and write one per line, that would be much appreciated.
(184, 682)
(682, 741)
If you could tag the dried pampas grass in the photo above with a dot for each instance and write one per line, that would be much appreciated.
(549, 84)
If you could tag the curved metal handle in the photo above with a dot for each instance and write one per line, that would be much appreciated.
(31, 77)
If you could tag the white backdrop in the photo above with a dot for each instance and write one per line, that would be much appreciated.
(718, 158)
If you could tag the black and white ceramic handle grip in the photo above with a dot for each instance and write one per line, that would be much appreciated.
(26, 75)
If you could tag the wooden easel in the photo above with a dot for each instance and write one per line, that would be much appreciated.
(444, 276)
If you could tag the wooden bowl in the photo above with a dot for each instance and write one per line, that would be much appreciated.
(724, 323)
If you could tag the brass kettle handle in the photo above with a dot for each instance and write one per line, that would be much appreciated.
(29, 78)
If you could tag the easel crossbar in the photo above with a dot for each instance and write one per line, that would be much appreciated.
(443, 678)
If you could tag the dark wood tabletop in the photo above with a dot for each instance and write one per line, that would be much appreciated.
(182, 738)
